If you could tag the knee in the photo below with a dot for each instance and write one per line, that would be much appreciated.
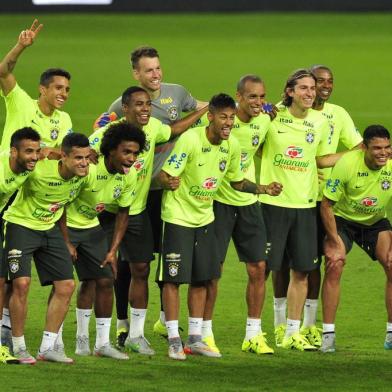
(20, 287)
(64, 288)
(334, 272)
(140, 271)
(104, 284)
(86, 287)
(256, 271)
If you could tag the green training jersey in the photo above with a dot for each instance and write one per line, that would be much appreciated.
(9, 181)
(249, 135)
(156, 132)
(40, 201)
(202, 167)
(104, 189)
(23, 111)
(341, 130)
(361, 194)
(289, 157)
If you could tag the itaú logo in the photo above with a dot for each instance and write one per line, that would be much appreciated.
(210, 183)
(294, 152)
(369, 201)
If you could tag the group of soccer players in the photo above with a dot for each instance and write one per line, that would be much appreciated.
(94, 204)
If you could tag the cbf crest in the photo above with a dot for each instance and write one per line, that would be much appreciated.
(172, 112)
(116, 192)
(54, 134)
(147, 145)
(309, 137)
(385, 185)
(255, 140)
(222, 165)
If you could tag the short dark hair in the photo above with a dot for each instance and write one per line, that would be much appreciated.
(22, 134)
(292, 81)
(48, 75)
(119, 132)
(142, 51)
(247, 78)
(316, 67)
(375, 131)
(74, 140)
(127, 94)
(221, 101)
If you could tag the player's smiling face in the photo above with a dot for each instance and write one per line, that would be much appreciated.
(303, 93)
(324, 83)
(251, 99)
(56, 93)
(148, 73)
(123, 157)
(26, 154)
(138, 109)
(76, 163)
(221, 123)
(377, 152)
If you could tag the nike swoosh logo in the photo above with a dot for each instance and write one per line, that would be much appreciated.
(201, 164)
(34, 122)
(358, 186)
(47, 194)
(94, 191)
(282, 132)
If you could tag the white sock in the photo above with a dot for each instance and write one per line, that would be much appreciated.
(59, 340)
(206, 329)
(18, 343)
(292, 327)
(253, 328)
(280, 311)
(83, 317)
(138, 318)
(172, 329)
(103, 331)
(195, 325)
(310, 312)
(162, 317)
(389, 327)
(328, 328)
(6, 318)
(123, 324)
(48, 341)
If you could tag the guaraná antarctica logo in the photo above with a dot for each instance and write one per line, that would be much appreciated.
(370, 201)
(210, 183)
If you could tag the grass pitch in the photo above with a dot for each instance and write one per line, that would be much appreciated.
(208, 54)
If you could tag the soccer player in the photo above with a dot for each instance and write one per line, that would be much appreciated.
(42, 114)
(294, 139)
(353, 209)
(112, 183)
(191, 176)
(341, 130)
(238, 216)
(31, 231)
(168, 101)
(137, 246)
(15, 167)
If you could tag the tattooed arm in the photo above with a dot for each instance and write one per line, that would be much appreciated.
(7, 65)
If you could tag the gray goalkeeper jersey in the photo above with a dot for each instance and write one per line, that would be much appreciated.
(174, 100)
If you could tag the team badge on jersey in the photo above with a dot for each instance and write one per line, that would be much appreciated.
(210, 183)
(72, 193)
(147, 145)
(370, 201)
(14, 265)
(116, 192)
(172, 112)
(54, 134)
(309, 137)
(385, 185)
(222, 165)
(294, 152)
(255, 140)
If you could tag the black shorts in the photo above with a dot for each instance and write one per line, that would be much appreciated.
(47, 247)
(137, 244)
(292, 233)
(364, 236)
(320, 233)
(154, 201)
(188, 254)
(92, 247)
(246, 226)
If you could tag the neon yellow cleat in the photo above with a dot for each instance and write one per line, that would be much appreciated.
(280, 331)
(258, 345)
(297, 342)
(160, 328)
(122, 334)
(210, 342)
(6, 357)
(312, 334)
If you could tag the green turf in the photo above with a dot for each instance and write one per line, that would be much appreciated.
(208, 54)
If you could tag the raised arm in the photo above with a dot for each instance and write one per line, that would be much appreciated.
(182, 125)
(7, 65)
